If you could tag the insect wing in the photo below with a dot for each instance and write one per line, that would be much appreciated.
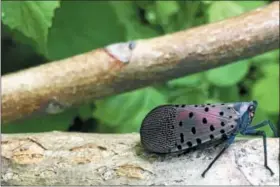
(157, 129)
(197, 124)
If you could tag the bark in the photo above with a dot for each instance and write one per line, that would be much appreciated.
(56, 158)
(52, 87)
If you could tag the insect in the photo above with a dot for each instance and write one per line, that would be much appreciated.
(175, 128)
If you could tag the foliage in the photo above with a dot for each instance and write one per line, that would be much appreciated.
(31, 18)
(59, 29)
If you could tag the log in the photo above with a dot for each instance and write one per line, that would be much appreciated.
(121, 67)
(60, 158)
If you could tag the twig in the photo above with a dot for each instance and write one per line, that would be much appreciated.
(107, 159)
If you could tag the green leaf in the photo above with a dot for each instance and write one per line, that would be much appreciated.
(85, 111)
(207, 2)
(165, 9)
(151, 15)
(126, 111)
(127, 14)
(80, 27)
(251, 5)
(271, 70)
(266, 92)
(32, 18)
(228, 94)
(190, 14)
(213, 101)
(188, 90)
(269, 57)
(133, 127)
(191, 80)
(17, 55)
(228, 75)
(59, 122)
(144, 4)
(220, 10)
(188, 96)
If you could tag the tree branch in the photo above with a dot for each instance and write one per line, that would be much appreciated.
(121, 67)
(57, 158)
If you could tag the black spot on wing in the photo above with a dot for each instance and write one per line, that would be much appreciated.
(193, 130)
(221, 111)
(180, 123)
(182, 137)
(190, 114)
(198, 129)
(204, 120)
(198, 140)
(189, 144)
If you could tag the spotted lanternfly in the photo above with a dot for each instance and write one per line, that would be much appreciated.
(176, 128)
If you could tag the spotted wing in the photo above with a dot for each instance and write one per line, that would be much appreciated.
(197, 124)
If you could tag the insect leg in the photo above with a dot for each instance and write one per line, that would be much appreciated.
(229, 142)
(264, 123)
(253, 132)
